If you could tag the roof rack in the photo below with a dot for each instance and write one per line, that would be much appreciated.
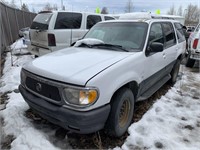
(149, 15)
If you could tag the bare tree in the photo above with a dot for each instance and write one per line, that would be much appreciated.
(5, 2)
(180, 11)
(192, 15)
(48, 7)
(172, 10)
(55, 7)
(104, 10)
(129, 6)
(13, 4)
(33, 10)
(24, 7)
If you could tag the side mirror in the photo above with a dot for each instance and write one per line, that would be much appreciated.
(154, 47)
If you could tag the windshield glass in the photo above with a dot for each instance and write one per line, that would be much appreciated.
(130, 35)
(41, 21)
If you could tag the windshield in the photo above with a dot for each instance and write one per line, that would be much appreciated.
(41, 21)
(130, 35)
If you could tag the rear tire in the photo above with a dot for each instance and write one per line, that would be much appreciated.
(121, 114)
(189, 62)
(174, 72)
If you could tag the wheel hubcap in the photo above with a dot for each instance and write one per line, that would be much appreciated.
(124, 113)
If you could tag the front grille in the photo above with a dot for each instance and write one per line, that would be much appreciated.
(43, 89)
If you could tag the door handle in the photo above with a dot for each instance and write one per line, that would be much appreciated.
(164, 56)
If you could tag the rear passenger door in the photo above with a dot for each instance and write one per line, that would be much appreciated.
(154, 62)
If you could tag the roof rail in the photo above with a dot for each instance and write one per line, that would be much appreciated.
(149, 15)
(47, 11)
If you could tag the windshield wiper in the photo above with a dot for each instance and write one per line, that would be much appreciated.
(85, 45)
(119, 47)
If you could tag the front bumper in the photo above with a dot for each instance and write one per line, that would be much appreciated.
(76, 121)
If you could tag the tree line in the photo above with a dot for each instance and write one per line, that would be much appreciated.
(191, 13)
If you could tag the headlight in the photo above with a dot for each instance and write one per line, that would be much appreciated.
(80, 97)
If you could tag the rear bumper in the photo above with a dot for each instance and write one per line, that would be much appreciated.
(195, 54)
(76, 121)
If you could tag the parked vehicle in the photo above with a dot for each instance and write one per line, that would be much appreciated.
(26, 39)
(21, 31)
(54, 30)
(95, 83)
(190, 28)
(193, 47)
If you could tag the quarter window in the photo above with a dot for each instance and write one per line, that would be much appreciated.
(179, 32)
(68, 20)
(92, 20)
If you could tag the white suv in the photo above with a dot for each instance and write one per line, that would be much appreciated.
(193, 47)
(54, 30)
(95, 83)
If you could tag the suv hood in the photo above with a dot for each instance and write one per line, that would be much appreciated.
(74, 65)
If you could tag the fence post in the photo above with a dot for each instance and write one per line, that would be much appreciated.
(11, 37)
(0, 35)
(23, 19)
(16, 19)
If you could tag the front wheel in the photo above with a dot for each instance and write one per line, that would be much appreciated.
(174, 72)
(121, 114)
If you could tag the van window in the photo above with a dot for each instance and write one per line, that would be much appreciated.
(41, 21)
(170, 38)
(108, 18)
(92, 20)
(66, 20)
(179, 32)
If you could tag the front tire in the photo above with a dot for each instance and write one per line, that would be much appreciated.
(174, 72)
(121, 114)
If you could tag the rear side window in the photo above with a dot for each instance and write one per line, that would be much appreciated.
(41, 21)
(170, 38)
(109, 18)
(68, 20)
(92, 20)
(179, 32)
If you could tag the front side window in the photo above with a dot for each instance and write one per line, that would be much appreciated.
(170, 38)
(92, 20)
(129, 35)
(67, 20)
(156, 34)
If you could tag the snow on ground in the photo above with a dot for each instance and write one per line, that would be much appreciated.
(173, 122)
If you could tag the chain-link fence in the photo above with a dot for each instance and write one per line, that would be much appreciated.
(11, 21)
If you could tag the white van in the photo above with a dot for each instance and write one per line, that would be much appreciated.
(54, 30)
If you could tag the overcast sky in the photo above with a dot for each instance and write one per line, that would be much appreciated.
(114, 6)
